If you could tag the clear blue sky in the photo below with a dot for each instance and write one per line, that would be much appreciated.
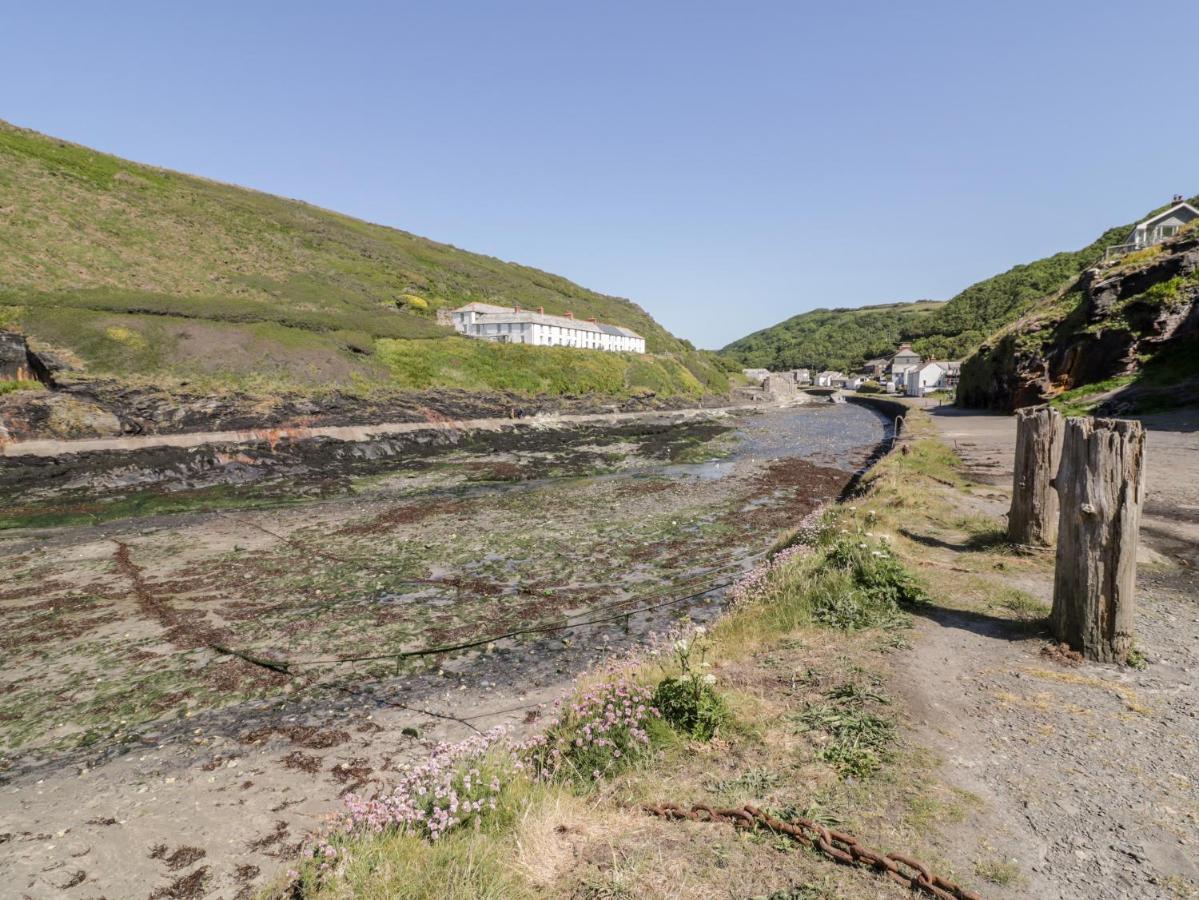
(725, 165)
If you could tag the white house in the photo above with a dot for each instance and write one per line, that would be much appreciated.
(919, 380)
(513, 325)
(1164, 225)
(853, 382)
(830, 378)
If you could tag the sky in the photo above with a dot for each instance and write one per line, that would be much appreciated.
(723, 164)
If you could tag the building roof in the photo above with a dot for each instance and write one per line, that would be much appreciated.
(1166, 213)
(476, 306)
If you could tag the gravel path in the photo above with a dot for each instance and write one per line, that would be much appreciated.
(1090, 774)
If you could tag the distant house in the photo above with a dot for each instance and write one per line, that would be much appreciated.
(802, 376)
(905, 358)
(1164, 225)
(921, 379)
(758, 375)
(875, 368)
(830, 378)
(953, 373)
(513, 325)
(853, 382)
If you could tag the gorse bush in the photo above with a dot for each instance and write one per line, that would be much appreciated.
(600, 733)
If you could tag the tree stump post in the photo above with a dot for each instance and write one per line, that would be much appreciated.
(1033, 517)
(1101, 488)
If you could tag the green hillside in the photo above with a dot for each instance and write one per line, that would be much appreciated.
(844, 338)
(147, 275)
(834, 338)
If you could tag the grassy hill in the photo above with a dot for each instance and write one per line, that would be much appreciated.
(844, 338)
(147, 275)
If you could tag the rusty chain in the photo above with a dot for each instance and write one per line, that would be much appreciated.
(836, 845)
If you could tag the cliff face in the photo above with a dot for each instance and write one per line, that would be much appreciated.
(1125, 333)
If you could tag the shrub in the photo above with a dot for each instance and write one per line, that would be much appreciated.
(689, 700)
(875, 569)
(600, 733)
(414, 302)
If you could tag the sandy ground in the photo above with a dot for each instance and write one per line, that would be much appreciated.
(198, 775)
(1090, 774)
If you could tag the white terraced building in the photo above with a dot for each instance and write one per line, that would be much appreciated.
(513, 325)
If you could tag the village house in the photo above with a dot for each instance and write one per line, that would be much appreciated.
(1157, 228)
(802, 376)
(929, 376)
(905, 358)
(758, 375)
(513, 325)
(830, 378)
(953, 373)
(875, 368)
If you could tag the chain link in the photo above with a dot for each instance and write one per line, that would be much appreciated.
(836, 845)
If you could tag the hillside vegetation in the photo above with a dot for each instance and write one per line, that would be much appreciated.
(844, 338)
(146, 275)
(834, 338)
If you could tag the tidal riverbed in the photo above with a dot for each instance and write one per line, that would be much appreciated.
(203, 652)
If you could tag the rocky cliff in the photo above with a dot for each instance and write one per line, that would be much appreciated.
(1124, 336)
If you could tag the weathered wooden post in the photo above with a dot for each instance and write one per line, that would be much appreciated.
(1101, 488)
(1033, 516)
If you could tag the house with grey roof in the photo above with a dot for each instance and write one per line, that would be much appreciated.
(1157, 228)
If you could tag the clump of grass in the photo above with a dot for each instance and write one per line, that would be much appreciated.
(8, 387)
(858, 740)
(1026, 607)
(997, 871)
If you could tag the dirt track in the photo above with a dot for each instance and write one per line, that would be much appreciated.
(1088, 774)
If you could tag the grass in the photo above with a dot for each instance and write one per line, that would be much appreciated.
(8, 387)
(859, 740)
(998, 871)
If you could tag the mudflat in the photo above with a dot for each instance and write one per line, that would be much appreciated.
(203, 654)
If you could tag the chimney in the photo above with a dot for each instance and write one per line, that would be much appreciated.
(541, 310)
(569, 314)
(593, 320)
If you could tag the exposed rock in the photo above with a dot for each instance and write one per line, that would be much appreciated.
(1122, 316)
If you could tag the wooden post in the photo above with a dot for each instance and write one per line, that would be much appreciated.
(1101, 486)
(1033, 516)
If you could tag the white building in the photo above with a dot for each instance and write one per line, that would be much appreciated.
(921, 379)
(830, 378)
(1156, 229)
(513, 325)
(1164, 225)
